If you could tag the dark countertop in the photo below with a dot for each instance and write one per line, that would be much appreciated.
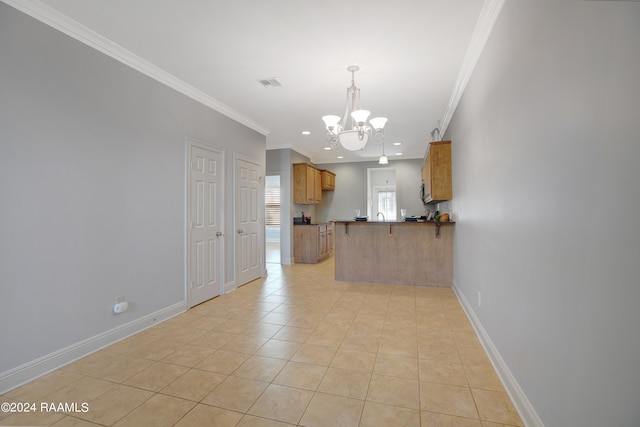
(351, 221)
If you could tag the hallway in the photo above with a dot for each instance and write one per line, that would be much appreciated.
(294, 348)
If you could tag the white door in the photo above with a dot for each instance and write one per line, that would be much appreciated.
(248, 221)
(204, 227)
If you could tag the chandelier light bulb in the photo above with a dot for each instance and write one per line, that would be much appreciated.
(378, 123)
(331, 122)
(361, 116)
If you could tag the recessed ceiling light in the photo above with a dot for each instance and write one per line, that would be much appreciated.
(398, 154)
(341, 157)
(327, 148)
(397, 143)
(306, 132)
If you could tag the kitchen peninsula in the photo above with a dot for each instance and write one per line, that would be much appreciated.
(405, 253)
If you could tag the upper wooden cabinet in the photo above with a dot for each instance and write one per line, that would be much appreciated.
(436, 173)
(328, 180)
(317, 186)
(307, 184)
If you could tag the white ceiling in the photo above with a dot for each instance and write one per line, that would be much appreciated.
(410, 53)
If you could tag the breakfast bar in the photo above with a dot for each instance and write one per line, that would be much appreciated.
(405, 253)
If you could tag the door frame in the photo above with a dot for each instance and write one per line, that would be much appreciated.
(189, 143)
(261, 242)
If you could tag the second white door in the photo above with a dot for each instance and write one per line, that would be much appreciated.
(206, 181)
(248, 222)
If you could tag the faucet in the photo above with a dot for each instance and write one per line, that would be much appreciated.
(380, 213)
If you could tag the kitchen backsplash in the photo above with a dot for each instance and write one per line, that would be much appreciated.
(443, 207)
(309, 210)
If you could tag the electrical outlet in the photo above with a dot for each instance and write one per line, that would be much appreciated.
(119, 299)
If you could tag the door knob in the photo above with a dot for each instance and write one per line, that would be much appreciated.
(240, 231)
(218, 233)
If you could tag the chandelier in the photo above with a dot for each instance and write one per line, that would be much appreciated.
(358, 135)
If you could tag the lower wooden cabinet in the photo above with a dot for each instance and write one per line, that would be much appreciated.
(312, 243)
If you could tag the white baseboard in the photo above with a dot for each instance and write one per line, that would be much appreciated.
(288, 261)
(526, 411)
(29, 371)
(230, 286)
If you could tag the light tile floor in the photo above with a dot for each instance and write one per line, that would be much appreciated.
(294, 348)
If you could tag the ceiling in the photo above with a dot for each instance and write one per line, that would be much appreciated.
(411, 54)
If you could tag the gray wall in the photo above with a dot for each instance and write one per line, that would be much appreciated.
(92, 189)
(351, 188)
(546, 147)
(297, 210)
(279, 163)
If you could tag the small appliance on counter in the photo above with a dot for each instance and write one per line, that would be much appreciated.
(301, 220)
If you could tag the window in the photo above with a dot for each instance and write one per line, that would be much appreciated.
(387, 203)
(272, 201)
(381, 194)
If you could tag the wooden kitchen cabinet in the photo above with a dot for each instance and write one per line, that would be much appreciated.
(311, 243)
(317, 186)
(328, 179)
(322, 242)
(307, 184)
(436, 173)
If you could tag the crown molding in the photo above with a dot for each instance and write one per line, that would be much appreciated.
(51, 17)
(484, 26)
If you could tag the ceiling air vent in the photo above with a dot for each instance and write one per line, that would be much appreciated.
(271, 82)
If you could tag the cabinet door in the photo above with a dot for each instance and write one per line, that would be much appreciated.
(322, 244)
(310, 185)
(328, 180)
(441, 172)
(317, 186)
(305, 244)
(307, 184)
(300, 196)
(436, 172)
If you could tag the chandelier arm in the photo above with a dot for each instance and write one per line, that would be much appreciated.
(361, 132)
(353, 90)
(355, 104)
(346, 111)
